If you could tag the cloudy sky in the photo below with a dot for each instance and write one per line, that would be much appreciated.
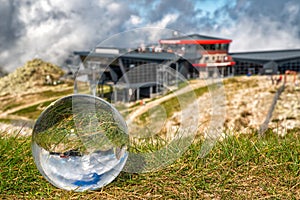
(52, 29)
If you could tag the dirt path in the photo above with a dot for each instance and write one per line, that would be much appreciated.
(142, 109)
(20, 124)
(29, 104)
(30, 99)
(286, 115)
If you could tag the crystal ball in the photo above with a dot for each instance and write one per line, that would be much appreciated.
(79, 143)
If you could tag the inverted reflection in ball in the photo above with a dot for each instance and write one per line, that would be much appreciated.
(79, 143)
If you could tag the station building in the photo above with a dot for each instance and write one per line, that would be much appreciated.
(145, 71)
(211, 52)
(266, 62)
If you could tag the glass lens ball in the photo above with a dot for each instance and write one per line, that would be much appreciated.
(80, 143)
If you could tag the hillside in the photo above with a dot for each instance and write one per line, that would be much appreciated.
(26, 92)
(28, 77)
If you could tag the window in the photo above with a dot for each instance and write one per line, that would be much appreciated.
(206, 58)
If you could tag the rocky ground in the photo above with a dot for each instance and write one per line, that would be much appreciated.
(36, 81)
(248, 102)
(241, 104)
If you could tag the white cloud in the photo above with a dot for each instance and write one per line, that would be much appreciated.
(114, 7)
(249, 35)
(53, 29)
(165, 21)
(135, 20)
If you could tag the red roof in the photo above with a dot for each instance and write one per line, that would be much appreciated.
(195, 39)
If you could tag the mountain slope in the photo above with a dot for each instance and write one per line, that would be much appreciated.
(33, 73)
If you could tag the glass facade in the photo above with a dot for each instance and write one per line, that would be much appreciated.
(293, 65)
(242, 67)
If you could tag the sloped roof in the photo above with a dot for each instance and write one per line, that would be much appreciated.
(135, 55)
(151, 56)
(277, 55)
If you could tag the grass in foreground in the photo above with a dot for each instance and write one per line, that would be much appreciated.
(243, 167)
